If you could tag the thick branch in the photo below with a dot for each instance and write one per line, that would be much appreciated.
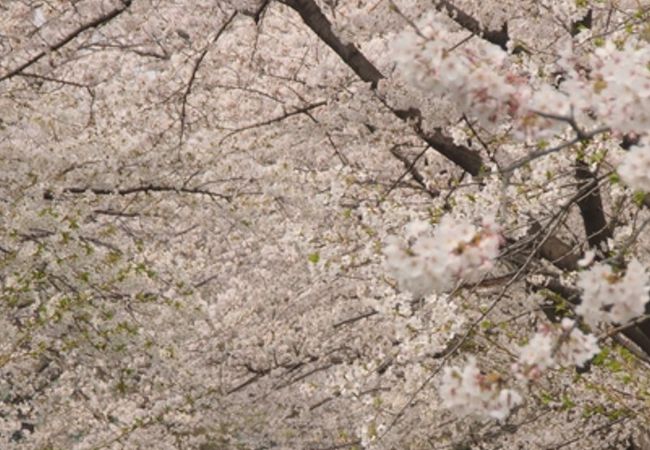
(591, 207)
(552, 249)
(585, 22)
(557, 252)
(590, 204)
(319, 24)
(460, 155)
(500, 37)
(313, 17)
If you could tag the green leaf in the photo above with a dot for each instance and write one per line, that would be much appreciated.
(486, 325)
(599, 359)
(638, 198)
(314, 258)
(546, 398)
(567, 403)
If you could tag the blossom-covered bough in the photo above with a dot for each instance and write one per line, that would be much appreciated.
(324, 224)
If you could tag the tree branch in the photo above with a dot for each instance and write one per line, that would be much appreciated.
(499, 38)
(303, 110)
(591, 207)
(195, 70)
(469, 160)
(319, 24)
(49, 195)
(102, 20)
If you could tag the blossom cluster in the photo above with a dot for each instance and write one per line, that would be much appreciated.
(465, 74)
(552, 346)
(611, 86)
(620, 81)
(635, 168)
(193, 208)
(455, 250)
(473, 392)
(609, 296)
(470, 391)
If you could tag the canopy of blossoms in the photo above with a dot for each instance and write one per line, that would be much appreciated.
(324, 224)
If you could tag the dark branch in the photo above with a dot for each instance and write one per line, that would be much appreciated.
(102, 20)
(354, 319)
(460, 155)
(410, 168)
(303, 110)
(500, 37)
(319, 24)
(195, 70)
(585, 22)
(636, 333)
(590, 204)
(591, 207)
(556, 251)
(49, 195)
(311, 14)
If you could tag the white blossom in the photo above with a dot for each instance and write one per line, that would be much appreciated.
(202, 219)
(577, 348)
(435, 261)
(554, 346)
(621, 82)
(635, 168)
(469, 391)
(610, 296)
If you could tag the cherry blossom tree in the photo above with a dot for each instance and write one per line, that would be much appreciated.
(379, 224)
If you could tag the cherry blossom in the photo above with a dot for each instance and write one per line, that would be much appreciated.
(552, 346)
(435, 261)
(469, 391)
(635, 168)
(611, 296)
(310, 223)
